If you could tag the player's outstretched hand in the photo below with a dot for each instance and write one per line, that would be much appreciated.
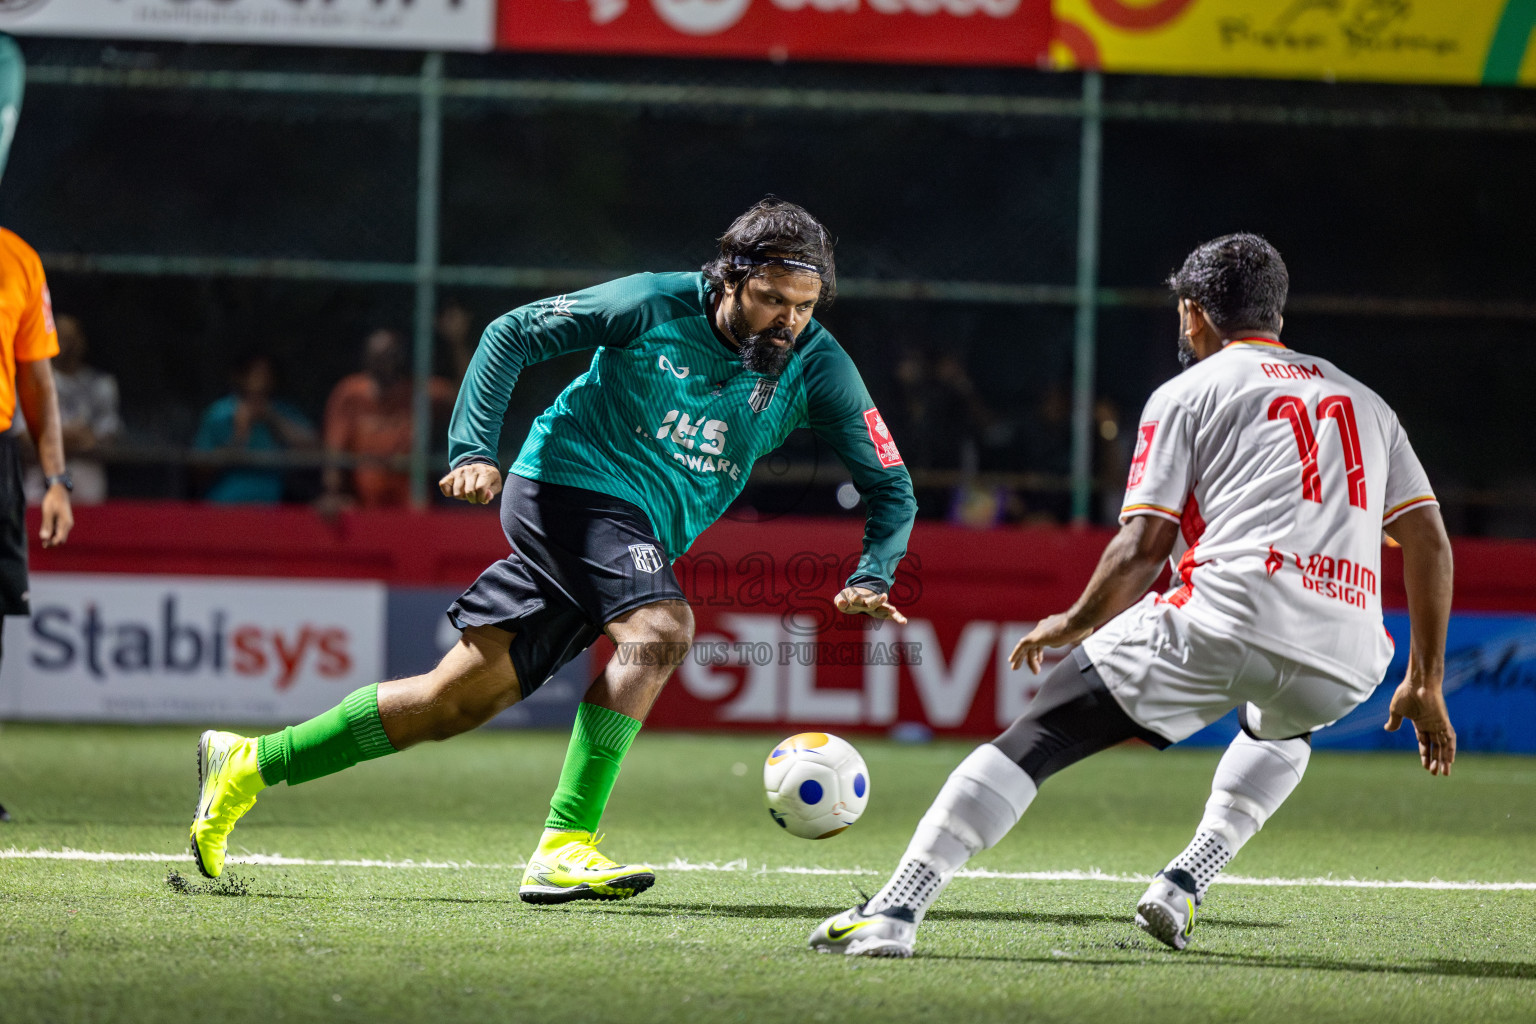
(1424, 705)
(859, 601)
(1051, 631)
(474, 482)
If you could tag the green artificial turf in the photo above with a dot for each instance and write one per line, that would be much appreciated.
(89, 941)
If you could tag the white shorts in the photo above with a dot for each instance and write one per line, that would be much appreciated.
(1175, 676)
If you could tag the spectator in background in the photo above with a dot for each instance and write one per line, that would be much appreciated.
(456, 338)
(1111, 461)
(981, 425)
(951, 427)
(1046, 444)
(913, 415)
(369, 413)
(88, 411)
(251, 420)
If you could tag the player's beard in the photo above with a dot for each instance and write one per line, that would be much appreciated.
(1187, 355)
(759, 353)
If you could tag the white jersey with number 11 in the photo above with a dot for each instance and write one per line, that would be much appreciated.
(1280, 470)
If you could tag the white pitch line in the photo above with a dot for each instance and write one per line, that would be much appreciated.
(261, 859)
(741, 866)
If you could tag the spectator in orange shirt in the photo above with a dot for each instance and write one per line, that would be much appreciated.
(369, 413)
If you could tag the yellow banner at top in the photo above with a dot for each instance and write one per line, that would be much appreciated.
(1464, 42)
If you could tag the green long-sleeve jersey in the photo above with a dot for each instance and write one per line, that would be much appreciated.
(667, 417)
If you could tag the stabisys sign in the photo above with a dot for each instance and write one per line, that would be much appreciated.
(984, 32)
(408, 24)
(195, 649)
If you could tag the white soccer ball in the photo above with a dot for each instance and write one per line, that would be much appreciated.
(816, 785)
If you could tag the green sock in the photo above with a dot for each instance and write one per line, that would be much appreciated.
(345, 735)
(599, 741)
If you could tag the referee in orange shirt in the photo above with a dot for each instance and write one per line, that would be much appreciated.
(27, 342)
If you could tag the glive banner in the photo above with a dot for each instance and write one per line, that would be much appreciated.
(771, 652)
(189, 649)
(1464, 42)
(996, 32)
(410, 24)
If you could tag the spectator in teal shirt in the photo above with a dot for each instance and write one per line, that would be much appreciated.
(251, 420)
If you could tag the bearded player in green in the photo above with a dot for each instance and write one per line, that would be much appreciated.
(696, 377)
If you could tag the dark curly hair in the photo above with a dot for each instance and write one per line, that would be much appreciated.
(1239, 280)
(774, 227)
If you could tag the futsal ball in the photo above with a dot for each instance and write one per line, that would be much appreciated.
(816, 785)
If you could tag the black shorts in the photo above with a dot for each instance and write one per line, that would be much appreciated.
(13, 532)
(579, 560)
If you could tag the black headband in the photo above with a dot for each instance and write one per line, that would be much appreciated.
(779, 261)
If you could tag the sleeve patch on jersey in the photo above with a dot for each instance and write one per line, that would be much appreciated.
(48, 312)
(1143, 449)
(880, 437)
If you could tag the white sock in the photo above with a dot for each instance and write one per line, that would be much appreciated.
(1203, 859)
(1252, 781)
(982, 799)
(915, 885)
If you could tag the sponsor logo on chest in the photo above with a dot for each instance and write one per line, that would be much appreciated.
(699, 444)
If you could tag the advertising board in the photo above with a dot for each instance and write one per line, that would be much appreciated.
(1466, 42)
(126, 648)
(772, 655)
(994, 32)
(409, 24)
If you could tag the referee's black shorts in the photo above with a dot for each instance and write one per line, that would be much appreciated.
(14, 596)
(579, 560)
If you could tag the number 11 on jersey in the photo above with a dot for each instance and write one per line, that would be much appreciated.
(1340, 409)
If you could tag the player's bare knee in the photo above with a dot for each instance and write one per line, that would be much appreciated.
(660, 633)
(677, 628)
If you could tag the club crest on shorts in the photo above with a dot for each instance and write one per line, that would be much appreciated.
(762, 393)
(647, 558)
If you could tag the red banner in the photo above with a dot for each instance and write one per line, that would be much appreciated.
(993, 32)
(771, 652)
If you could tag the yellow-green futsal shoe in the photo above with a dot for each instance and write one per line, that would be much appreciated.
(567, 866)
(228, 781)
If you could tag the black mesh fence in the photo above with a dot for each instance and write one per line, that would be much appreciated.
(1404, 213)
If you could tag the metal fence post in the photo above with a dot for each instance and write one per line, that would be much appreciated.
(429, 164)
(1083, 349)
